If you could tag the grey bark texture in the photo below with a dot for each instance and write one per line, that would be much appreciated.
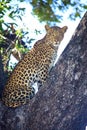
(2, 76)
(61, 104)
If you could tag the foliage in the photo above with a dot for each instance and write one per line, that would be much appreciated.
(50, 10)
(11, 38)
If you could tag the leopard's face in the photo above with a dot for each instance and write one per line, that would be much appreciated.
(55, 34)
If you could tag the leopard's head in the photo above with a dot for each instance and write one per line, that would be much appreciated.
(55, 34)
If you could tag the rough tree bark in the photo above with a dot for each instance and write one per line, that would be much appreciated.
(2, 76)
(61, 104)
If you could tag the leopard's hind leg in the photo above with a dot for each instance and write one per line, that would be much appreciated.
(19, 96)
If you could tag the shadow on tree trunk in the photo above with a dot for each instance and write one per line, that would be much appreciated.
(61, 104)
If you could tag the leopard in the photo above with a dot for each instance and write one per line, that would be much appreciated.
(33, 68)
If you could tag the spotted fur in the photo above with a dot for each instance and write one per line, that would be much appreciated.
(34, 67)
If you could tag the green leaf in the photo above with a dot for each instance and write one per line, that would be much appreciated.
(77, 14)
(22, 9)
(85, 6)
(11, 14)
(30, 41)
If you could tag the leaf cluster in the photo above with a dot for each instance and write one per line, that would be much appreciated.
(50, 10)
(11, 38)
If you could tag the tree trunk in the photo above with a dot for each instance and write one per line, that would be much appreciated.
(61, 104)
(2, 76)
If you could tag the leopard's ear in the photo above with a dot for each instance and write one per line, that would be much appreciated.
(47, 27)
(64, 29)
